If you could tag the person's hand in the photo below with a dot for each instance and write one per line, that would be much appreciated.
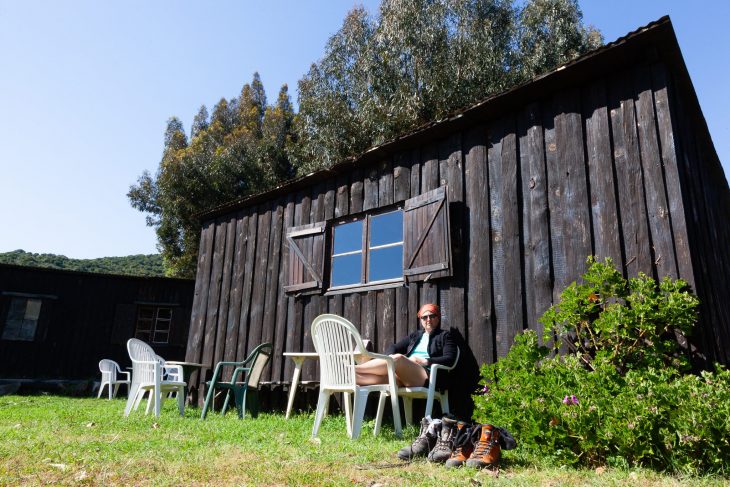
(420, 360)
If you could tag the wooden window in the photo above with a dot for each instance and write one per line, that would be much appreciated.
(372, 250)
(306, 257)
(426, 236)
(153, 324)
(368, 250)
(21, 321)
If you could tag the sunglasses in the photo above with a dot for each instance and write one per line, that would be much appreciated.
(429, 317)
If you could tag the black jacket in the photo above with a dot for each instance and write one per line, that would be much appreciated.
(462, 380)
(441, 347)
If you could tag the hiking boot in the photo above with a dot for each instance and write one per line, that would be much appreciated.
(463, 445)
(423, 444)
(487, 451)
(445, 442)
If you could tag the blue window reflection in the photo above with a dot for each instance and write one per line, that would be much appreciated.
(386, 228)
(346, 269)
(386, 263)
(348, 237)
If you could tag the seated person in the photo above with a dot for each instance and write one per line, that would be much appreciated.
(414, 354)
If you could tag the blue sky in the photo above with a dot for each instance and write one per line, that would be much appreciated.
(86, 88)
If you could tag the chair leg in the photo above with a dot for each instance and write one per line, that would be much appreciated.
(181, 401)
(208, 399)
(445, 402)
(240, 398)
(150, 402)
(131, 399)
(396, 412)
(101, 388)
(408, 409)
(379, 416)
(156, 400)
(429, 406)
(253, 402)
(324, 397)
(116, 390)
(361, 399)
(348, 411)
(225, 403)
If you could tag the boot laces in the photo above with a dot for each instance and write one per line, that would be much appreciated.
(482, 447)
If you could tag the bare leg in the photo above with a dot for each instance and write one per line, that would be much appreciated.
(408, 373)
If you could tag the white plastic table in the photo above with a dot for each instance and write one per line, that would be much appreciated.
(298, 358)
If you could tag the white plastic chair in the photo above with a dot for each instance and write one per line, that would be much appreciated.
(147, 375)
(339, 345)
(110, 372)
(429, 393)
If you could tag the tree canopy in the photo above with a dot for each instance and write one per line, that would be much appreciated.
(380, 76)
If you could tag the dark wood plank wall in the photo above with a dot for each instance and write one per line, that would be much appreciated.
(699, 174)
(78, 317)
(590, 170)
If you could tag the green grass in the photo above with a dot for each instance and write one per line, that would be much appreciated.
(59, 440)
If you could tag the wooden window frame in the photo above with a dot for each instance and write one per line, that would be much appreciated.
(155, 329)
(365, 283)
(26, 299)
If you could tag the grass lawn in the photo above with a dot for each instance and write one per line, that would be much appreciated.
(58, 440)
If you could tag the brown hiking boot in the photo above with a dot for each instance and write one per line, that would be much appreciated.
(445, 442)
(487, 451)
(463, 445)
(422, 445)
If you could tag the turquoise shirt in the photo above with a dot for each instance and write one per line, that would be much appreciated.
(421, 349)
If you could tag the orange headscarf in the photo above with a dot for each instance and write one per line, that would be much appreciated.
(433, 308)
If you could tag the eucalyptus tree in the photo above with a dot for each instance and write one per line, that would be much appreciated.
(422, 59)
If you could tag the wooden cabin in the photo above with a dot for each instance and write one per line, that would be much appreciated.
(57, 324)
(490, 213)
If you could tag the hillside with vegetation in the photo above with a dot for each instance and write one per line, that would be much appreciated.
(132, 265)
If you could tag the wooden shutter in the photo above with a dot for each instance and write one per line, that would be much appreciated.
(306, 257)
(426, 237)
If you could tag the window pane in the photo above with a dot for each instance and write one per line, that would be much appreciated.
(348, 237)
(346, 269)
(146, 312)
(160, 337)
(386, 228)
(164, 313)
(22, 319)
(386, 263)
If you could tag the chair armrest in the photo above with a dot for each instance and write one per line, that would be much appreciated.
(128, 374)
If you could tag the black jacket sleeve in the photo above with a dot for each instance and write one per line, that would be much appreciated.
(442, 350)
(400, 347)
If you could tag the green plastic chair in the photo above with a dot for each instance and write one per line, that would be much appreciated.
(244, 382)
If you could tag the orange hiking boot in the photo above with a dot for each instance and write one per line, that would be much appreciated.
(463, 445)
(487, 451)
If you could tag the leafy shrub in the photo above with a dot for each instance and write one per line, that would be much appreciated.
(631, 323)
(650, 417)
(585, 408)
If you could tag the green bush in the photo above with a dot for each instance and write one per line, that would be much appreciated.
(632, 323)
(587, 408)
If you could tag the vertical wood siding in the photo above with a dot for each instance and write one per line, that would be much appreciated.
(592, 170)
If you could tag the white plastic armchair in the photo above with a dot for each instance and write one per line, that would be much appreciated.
(111, 377)
(339, 346)
(147, 375)
(429, 393)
